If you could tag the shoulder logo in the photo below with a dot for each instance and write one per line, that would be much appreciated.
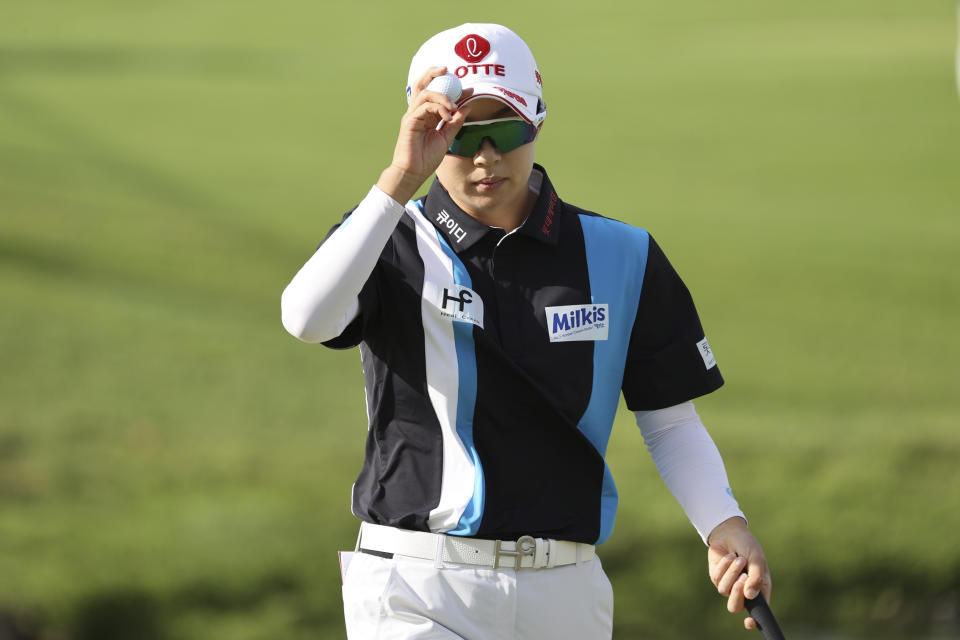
(472, 48)
(709, 361)
(578, 322)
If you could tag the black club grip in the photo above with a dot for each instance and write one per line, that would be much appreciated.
(760, 611)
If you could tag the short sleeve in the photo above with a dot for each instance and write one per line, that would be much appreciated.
(669, 360)
(352, 335)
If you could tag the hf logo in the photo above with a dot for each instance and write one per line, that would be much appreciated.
(460, 304)
(464, 298)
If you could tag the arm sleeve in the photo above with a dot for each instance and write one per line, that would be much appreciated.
(690, 465)
(668, 360)
(323, 298)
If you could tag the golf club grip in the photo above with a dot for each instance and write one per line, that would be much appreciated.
(760, 611)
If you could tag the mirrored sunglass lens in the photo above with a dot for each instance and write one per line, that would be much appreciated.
(506, 136)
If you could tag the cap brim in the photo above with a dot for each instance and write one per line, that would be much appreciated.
(525, 104)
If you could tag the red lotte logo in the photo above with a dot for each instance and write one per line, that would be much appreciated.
(473, 48)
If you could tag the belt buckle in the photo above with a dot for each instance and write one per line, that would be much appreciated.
(524, 546)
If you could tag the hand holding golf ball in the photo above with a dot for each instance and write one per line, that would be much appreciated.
(447, 84)
(426, 131)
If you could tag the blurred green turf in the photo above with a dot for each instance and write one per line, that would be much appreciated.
(173, 465)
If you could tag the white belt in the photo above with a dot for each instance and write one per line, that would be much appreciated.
(525, 553)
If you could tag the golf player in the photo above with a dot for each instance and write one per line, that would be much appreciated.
(498, 326)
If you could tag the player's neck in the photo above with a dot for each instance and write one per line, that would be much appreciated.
(509, 217)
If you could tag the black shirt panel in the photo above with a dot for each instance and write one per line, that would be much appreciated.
(541, 474)
(664, 365)
(400, 481)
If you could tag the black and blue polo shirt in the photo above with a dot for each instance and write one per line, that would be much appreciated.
(494, 364)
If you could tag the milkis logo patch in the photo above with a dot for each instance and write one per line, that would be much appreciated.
(472, 48)
(461, 304)
(578, 322)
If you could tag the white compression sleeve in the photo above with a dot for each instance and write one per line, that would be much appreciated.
(321, 300)
(690, 465)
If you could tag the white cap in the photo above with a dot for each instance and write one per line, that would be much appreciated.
(491, 59)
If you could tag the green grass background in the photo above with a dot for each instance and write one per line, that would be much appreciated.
(174, 466)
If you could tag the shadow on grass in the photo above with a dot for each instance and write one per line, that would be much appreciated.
(16, 627)
(120, 615)
(214, 596)
(133, 613)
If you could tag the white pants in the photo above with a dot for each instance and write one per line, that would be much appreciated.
(408, 598)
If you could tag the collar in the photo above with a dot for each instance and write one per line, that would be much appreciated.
(541, 224)
(461, 230)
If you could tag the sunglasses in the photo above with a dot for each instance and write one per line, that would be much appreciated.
(505, 134)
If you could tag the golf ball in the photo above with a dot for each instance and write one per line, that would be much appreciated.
(447, 84)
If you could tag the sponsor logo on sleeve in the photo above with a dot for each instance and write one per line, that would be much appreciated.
(578, 322)
(707, 354)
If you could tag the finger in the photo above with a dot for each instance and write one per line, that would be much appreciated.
(715, 554)
(445, 113)
(731, 576)
(717, 551)
(452, 128)
(755, 573)
(435, 97)
(425, 79)
(754, 581)
(427, 116)
(718, 567)
(749, 623)
(428, 75)
(735, 600)
(466, 93)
